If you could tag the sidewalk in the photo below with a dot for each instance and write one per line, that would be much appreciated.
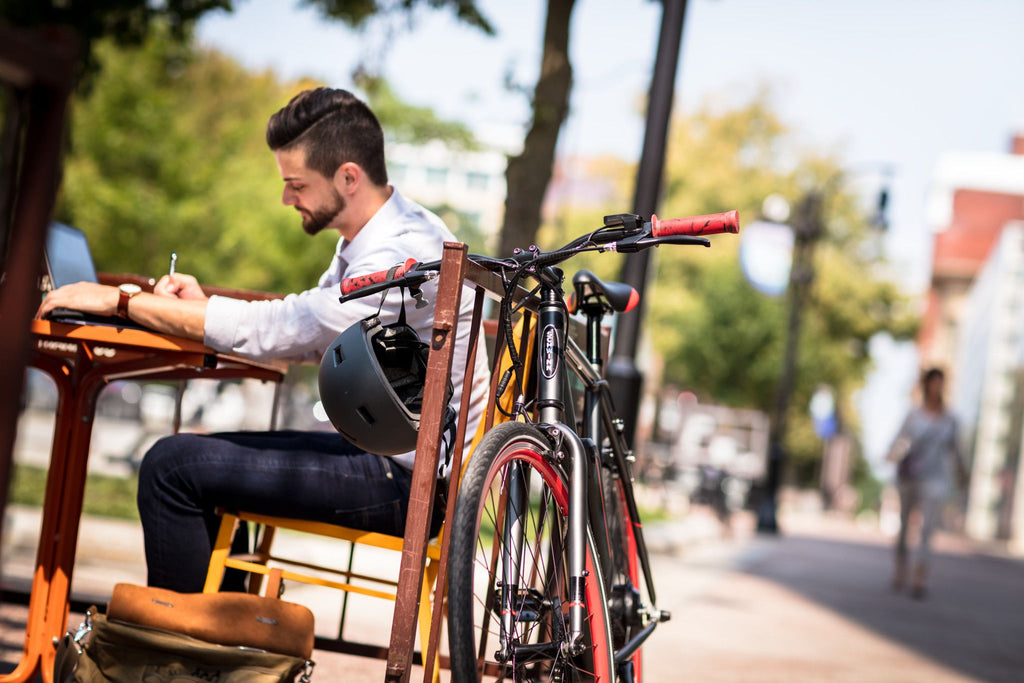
(812, 604)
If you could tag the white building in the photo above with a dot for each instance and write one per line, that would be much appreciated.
(468, 183)
(989, 391)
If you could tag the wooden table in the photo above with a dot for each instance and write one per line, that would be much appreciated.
(82, 359)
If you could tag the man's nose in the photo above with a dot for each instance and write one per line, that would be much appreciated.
(288, 197)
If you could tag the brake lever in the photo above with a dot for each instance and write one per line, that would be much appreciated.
(645, 240)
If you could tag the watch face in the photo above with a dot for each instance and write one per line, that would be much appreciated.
(129, 288)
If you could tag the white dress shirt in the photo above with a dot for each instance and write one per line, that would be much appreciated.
(301, 326)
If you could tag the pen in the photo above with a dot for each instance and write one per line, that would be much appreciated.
(174, 260)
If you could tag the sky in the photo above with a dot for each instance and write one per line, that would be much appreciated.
(877, 82)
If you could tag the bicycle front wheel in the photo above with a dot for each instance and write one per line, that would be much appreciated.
(623, 573)
(508, 604)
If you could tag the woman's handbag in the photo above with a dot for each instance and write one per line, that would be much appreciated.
(156, 635)
(905, 456)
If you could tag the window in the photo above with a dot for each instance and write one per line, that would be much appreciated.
(398, 172)
(437, 176)
(476, 180)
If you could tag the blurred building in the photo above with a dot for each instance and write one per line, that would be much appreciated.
(974, 195)
(989, 393)
(466, 187)
(974, 325)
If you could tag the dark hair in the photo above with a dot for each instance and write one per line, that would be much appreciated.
(926, 378)
(334, 127)
(930, 374)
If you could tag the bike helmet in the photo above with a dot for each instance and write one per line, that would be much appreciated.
(371, 385)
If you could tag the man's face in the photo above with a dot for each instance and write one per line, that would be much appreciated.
(313, 196)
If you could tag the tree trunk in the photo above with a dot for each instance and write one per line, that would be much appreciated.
(528, 173)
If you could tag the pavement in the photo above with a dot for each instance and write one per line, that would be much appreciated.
(811, 604)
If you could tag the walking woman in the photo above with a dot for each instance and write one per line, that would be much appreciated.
(928, 457)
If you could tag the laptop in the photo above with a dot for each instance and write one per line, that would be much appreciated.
(68, 260)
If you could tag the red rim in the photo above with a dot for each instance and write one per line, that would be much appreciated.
(594, 592)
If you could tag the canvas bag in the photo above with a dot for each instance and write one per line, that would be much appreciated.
(149, 635)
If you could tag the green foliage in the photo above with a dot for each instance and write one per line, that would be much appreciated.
(128, 22)
(105, 495)
(168, 155)
(356, 12)
(721, 338)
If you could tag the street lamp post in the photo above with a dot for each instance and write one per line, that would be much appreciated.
(807, 230)
(624, 378)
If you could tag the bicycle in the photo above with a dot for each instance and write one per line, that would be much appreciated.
(549, 573)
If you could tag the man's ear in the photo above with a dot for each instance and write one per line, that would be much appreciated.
(348, 177)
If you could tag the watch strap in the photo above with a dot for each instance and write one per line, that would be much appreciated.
(122, 303)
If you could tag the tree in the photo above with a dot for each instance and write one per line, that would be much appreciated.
(169, 155)
(129, 22)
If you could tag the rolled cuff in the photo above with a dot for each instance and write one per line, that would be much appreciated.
(221, 325)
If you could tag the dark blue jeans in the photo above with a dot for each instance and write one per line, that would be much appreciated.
(305, 475)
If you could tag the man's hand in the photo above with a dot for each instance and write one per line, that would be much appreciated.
(179, 286)
(82, 296)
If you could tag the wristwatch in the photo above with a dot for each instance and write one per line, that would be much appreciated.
(128, 290)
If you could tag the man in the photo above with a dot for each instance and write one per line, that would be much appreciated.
(329, 149)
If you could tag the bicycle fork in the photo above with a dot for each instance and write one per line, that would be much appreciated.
(567, 445)
(514, 531)
(569, 450)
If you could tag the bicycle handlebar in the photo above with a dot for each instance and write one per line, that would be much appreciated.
(711, 224)
(351, 284)
(627, 240)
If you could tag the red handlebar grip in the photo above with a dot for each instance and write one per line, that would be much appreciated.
(351, 284)
(711, 224)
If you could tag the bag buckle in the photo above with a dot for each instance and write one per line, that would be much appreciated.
(307, 672)
(84, 627)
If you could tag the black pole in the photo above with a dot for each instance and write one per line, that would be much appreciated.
(807, 230)
(624, 378)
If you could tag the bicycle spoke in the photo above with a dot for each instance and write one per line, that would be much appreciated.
(515, 596)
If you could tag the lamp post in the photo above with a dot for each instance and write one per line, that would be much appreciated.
(624, 379)
(807, 230)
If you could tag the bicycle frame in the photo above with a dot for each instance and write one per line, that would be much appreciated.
(580, 455)
(598, 421)
(580, 458)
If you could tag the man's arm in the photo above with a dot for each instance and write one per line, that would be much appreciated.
(179, 317)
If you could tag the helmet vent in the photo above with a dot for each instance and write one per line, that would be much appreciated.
(365, 414)
(338, 355)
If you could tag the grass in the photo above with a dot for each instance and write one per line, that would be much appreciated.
(108, 496)
(105, 496)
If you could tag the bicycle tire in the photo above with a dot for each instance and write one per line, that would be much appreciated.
(624, 569)
(541, 601)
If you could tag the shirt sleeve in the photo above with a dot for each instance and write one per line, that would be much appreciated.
(300, 327)
(297, 328)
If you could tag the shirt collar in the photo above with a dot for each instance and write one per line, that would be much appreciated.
(382, 223)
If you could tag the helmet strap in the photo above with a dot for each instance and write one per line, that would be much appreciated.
(384, 296)
(401, 311)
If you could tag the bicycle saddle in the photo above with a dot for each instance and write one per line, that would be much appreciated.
(588, 289)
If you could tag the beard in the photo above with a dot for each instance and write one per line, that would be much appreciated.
(316, 220)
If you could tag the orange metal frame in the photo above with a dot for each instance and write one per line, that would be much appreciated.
(82, 360)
